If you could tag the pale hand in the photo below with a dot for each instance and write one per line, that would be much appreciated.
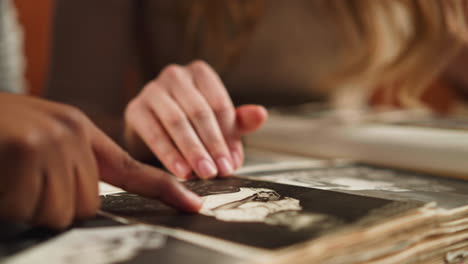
(188, 121)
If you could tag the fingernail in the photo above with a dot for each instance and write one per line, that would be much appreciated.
(181, 169)
(194, 198)
(225, 166)
(207, 169)
(192, 202)
(236, 159)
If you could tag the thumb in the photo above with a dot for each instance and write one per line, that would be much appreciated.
(249, 118)
(116, 167)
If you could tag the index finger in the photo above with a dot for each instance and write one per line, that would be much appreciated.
(116, 167)
(210, 85)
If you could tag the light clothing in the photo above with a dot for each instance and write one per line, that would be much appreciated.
(12, 62)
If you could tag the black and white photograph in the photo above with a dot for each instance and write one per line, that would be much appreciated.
(105, 241)
(234, 131)
(258, 213)
(375, 181)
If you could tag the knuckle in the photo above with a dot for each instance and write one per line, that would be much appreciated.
(166, 181)
(223, 109)
(164, 149)
(218, 145)
(201, 66)
(73, 118)
(71, 121)
(175, 121)
(151, 89)
(174, 72)
(27, 144)
(199, 114)
(131, 109)
(129, 164)
(155, 140)
(57, 134)
(194, 152)
(162, 184)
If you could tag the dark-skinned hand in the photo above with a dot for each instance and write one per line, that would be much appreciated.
(52, 157)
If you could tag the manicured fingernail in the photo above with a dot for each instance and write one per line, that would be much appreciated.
(225, 166)
(236, 158)
(181, 170)
(207, 169)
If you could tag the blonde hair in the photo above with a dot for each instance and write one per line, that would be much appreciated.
(400, 45)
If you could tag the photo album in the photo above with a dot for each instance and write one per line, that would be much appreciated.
(328, 192)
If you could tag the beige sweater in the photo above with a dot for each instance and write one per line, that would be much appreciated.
(11, 58)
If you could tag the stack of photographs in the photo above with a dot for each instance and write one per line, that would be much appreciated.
(328, 212)
(283, 208)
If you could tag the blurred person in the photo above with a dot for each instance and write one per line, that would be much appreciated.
(52, 156)
(11, 58)
(210, 56)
